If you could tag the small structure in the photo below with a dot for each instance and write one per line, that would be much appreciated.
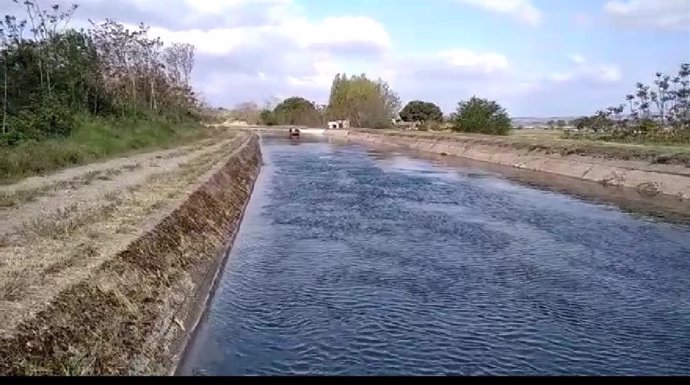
(400, 124)
(338, 124)
(403, 125)
(407, 126)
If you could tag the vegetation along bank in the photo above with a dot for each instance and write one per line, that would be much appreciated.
(73, 96)
(117, 204)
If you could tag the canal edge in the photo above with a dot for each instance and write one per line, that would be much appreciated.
(620, 174)
(207, 289)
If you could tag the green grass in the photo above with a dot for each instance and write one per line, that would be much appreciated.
(92, 140)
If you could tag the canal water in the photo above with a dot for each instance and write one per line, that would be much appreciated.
(358, 261)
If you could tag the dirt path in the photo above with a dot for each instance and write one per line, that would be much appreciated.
(87, 185)
(55, 230)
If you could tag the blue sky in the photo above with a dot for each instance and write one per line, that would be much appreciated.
(566, 28)
(536, 57)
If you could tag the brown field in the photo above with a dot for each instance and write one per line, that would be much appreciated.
(551, 142)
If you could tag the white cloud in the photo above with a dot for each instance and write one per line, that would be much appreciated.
(324, 70)
(247, 48)
(660, 14)
(219, 6)
(524, 10)
(448, 76)
(253, 50)
(561, 76)
(452, 64)
(577, 59)
(352, 34)
(219, 41)
(583, 71)
(608, 73)
(342, 31)
(582, 19)
(484, 62)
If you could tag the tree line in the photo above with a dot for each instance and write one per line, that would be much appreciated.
(51, 73)
(657, 112)
(374, 104)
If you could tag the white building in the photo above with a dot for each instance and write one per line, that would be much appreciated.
(338, 124)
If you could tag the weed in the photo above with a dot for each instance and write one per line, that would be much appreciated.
(12, 285)
(93, 139)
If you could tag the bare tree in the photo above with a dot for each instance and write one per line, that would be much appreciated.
(247, 111)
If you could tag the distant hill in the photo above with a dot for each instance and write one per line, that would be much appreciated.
(532, 120)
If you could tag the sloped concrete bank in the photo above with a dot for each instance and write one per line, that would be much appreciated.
(649, 179)
(135, 313)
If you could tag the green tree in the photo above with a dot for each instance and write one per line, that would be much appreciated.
(267, 118)
(365, 102)
(419, 111)
(481, 116)
(296, 111)
(50, 73)
(658, 113)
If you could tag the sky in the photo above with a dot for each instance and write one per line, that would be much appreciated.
(535, 57)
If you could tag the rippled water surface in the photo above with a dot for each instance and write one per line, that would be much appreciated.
(353, 261)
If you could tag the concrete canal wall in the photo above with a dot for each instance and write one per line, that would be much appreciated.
(648, 179)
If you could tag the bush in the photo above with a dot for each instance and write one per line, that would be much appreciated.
(52, 118)
(49, 119)
(92, 139)
(381, 123)
(12, 137)
(267, 118)
(481, 116)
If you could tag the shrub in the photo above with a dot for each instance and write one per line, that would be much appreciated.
(267, 118)
(481, 116)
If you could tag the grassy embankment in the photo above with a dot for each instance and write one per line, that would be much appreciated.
(94, 139)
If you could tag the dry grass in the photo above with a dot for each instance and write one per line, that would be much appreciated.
(80, 253)
(64, 222)
(13, 284)
(4, 242)
(109, 306)
(552, 144)
(54, 251)
(12, 199)
(92, 176)
(131, 167)
(112, 195)
(16, 198)
(536, 134)
(109, 174)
